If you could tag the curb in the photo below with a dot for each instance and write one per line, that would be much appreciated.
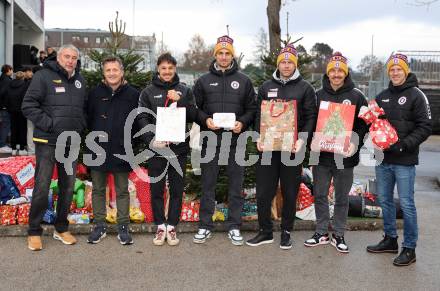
(438, 181)
(191, 227)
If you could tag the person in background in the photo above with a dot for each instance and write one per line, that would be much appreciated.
(5, 121)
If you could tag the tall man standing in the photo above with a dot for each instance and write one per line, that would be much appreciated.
(54, 102)
(223, 90)
(5, 120)
(407, 109)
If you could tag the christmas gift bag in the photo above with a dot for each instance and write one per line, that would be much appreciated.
(382, 133)
(334, 127)
(278, 128)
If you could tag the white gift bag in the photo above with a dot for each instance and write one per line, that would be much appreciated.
(170, 124)
(224, 120)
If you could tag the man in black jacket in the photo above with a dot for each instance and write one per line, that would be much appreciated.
(5, 121)
(337, 87)
(108, 107)
(407, 109)
(285, 85)
(166, 91)
(223, 90)
(55, 102)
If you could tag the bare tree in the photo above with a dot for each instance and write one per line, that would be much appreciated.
(273, 16)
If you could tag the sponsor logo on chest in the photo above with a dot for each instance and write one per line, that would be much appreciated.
(402, 100)
(235, 85)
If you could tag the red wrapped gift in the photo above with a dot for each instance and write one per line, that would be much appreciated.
(334, 127)
(190, 211)
(382, 133)
(8, 214)
(21, 169)
(143, 192)
(305, 198)
(23, 213)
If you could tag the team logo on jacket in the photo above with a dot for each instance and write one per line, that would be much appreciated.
(346, 102)
(402, 100)
(235, 85)
(78, 84)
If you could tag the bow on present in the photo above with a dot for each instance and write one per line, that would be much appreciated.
(382, 133)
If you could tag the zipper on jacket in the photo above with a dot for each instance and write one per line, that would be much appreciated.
(224, 92)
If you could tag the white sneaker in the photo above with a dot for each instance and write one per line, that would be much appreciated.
(22, 153)
(5, 150)
(159, 237)
(202, 235)
(235, 237)
(172, 239)
(14, 152)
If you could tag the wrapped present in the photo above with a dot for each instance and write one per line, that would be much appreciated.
(111, 215)
(136, 215)
(249, 211)
(21, 169)
(357, 189)
(8, 189)
(49, 216)
(143, 194)
(334, 127)
(88, 196)
(278, 128)
(190, 211)
(218, 216)
(305, 198)
(8, 214)
(78, 218)
(383, 134)
(223, 208)
(23, 213)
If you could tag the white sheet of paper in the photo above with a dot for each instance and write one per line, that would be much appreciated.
(170, 124)
(224, 120)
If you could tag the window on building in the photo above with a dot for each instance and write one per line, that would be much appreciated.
(75, 38)
(86, 39)
(98, 40)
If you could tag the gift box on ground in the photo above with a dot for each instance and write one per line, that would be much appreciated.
(190, 211)
(8, 214)
(23, 213)
(21, 169)
(305, 198)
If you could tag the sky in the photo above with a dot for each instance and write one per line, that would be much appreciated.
(353, 27)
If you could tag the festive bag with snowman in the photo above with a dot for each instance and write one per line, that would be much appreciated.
(382, 133)
(278, 128)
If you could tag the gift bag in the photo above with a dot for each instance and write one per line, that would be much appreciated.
(382, 133)
(334, 127)
(278, 128)
(171, 124)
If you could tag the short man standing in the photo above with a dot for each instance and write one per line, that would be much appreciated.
(54, 102)
(223, 90)
(108, 107)
(337, 87)
(407, 109)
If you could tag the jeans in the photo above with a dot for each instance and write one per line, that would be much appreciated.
(45, 156)
(387, 176)
(5, 126)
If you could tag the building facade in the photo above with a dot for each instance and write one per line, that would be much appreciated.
(21, 27)
(88, 39)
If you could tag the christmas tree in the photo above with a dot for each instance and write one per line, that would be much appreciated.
(335, 125)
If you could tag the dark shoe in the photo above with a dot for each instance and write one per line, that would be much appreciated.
(286, 242)
(123, 236)
(406, 257)
(339, 243)
(260, 239)
(387, 245)
(97, 234)
(317, 239)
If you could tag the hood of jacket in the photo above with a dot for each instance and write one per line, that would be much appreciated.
(53, 65)
(411, 81)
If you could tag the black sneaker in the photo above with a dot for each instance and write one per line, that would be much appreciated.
(260, 239)
(97, 234)
(317, 239)
(386, 245)
(406, 257)
(286, 242)
(124, 236)
(339, 243)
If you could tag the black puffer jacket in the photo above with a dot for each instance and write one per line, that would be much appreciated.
(155, 96)
(54, 103)
(407, 109)
(15, 94)
(296, 88)
(225, 92)
(350, 95)
(4, 84)
(108, 111)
